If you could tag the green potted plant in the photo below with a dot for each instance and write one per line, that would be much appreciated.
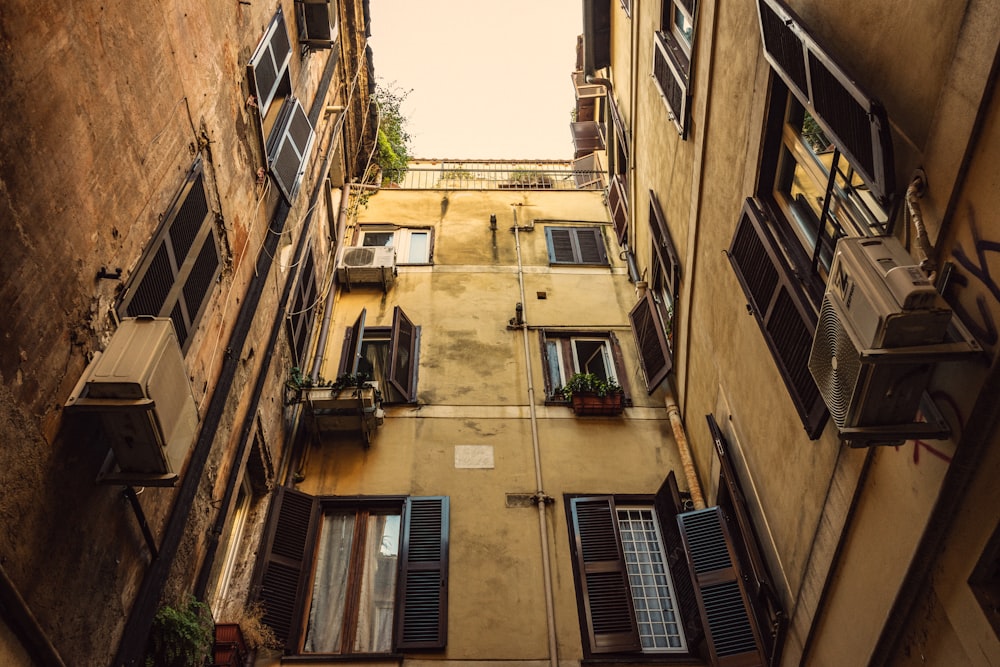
(591, 395)
(181, 635)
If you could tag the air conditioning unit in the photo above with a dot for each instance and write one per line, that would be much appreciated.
(139, 389)
(371, 265)
(882, 329)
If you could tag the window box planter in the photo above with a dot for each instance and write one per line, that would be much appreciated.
(590, 403)
(346, 409)
(230, 648)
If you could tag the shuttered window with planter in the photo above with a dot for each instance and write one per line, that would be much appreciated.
(355, 576)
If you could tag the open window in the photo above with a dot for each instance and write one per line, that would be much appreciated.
(673, 48)
(386, 355)
(286, 133)
(567, 352)
(634, 590)
(302, 312)
(355, 576)
(181, 265)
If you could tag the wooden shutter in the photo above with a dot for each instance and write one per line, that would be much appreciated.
(268, 66)
(575, 245)
(403, 354)
(618, 203)
(783, 312)
(289, 147)
(663, 247)
(303, 309)
(177, 274)
(286, 553)
(668, 505)
(732, 636)
(651, 340)
(857, 123)
(422, 602)
(603, 578)
(351, 355)
(620, 132)
(670, 71)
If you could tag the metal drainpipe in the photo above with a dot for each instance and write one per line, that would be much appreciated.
(540, 498)
(684, 449)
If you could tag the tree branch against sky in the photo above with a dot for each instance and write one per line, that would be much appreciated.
(488, 80)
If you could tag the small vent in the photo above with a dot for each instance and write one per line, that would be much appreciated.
(835, 363)
(359, 257)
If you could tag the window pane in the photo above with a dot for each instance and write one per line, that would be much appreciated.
(656, 613)
(378, 239)
(592, 357)
(374, 357)
(555, 364)
(378, 585)
(683, 26)
(326, 615)
(419, 247)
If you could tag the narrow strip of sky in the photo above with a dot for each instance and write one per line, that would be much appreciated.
(488, 79)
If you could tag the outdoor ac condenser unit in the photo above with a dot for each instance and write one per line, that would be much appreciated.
(877, 304)
(139, 389)
(361, 265)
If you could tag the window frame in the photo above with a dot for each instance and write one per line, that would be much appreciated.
(615, 635)
(191, 276)
(302, 314)
(673, 56)
(403, 357)
(561, 341)
(284, 576)
(401, 242)
(568, 246)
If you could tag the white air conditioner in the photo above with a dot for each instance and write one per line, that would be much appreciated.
(139, 389)
(882, 329)
(371, 265)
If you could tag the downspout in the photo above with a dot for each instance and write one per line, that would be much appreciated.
(540, 498)
(684, 449)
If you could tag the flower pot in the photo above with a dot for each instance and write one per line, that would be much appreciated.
(230, 648)
(589, 403)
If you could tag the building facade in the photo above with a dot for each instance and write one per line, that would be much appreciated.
(172, 177)
(748, 143)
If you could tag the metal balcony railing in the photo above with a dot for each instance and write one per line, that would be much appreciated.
(491, 175)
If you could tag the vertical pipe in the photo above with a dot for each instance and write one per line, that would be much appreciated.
(541, 500)
(684, 449)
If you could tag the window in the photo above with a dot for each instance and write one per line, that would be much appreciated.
(576, 245)
(350, 576)
(826, 172)
(387, 355)
(317, 21)
(286, 132)
(413, 246)
(633, 585)
(303, 310)
(567, 352)
(672, 57)
(181, 265)
(652, 318)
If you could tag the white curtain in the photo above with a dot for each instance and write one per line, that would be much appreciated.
(378, 585)
(326, 615)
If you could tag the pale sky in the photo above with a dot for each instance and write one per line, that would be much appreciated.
(489, 79)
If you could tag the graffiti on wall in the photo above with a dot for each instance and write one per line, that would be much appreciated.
(978, 286)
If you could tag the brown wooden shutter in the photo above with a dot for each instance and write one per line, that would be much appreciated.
(618, 204)
(857, 123)
(620, 132)
(403, 355)
(670, 71)
(663, 246)
(651, 340)
(286, 553)
(289, 146)
(668, 505)
(731, 634)
(784, 313)
(575, 245)
(351, 355)
(422, 602)
(303, 309)
(603, 578)
(269, 64)
(590, 244)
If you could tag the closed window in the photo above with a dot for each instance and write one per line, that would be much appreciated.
(355, 576)
(303, 309)
(567, 352)
(387, 355)
(181, 265)
(413, 246)
(286, 132)
(576, 245)
(672, 59)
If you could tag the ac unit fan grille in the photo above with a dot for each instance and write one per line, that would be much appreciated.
(359, 257)
(835, 363)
